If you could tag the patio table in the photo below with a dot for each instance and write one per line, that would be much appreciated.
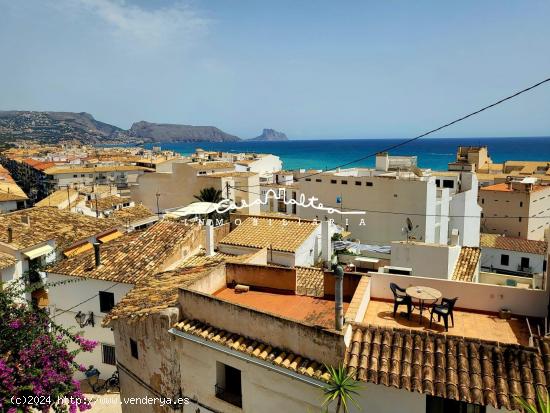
(423, 294)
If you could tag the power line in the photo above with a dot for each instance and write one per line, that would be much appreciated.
(405, 142)
(407, 213)
(85, 301)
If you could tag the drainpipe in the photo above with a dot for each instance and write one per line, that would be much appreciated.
(339, 298)
(209, 232)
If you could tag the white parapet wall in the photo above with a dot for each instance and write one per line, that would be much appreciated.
(471, 296)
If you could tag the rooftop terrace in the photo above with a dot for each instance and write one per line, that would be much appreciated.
(317, 311)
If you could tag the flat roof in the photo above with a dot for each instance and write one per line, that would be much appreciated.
(318, 311)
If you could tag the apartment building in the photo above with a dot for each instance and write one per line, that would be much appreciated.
(178, 186)
(193, 336)
(471, 159)
(120, 176)
(393, 202)
(517, 208)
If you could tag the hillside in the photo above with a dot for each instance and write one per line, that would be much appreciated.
(53, 127)
(165, 132)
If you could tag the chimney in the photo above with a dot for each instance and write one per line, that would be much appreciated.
(326, 242)
(209, 242)
(97, 254)
(10, 235)
(339, 298)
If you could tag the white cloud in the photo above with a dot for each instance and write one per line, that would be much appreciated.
(147, 26)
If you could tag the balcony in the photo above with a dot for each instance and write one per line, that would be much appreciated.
(228, 396)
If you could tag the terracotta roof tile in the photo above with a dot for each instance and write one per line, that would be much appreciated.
(108, 202)
(91, 169)
(132, 258)
(201, 259)
(161, 291)
(205, 166)
(255, 348)
(132, 214)
(455, 368)
(6, 260)
(48, 223)
(279, 234)
(467, 264)
(310, 281)
(58, 197)
(513, 244)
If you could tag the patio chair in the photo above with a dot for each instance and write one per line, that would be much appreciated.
(400, 298)
(445, 309)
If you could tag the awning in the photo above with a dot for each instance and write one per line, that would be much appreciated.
(196, 208)
(109, 237)
(70, 252)
(38, 252)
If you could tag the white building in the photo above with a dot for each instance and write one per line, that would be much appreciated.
(392, 203)
(108, 275)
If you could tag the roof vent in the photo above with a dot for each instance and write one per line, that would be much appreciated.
(25, 219)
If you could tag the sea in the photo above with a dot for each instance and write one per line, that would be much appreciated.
(434, 153)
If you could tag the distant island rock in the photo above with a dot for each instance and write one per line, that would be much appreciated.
(270, 135)
(54, 127)
(166, 132)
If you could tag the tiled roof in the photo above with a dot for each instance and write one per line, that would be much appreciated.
(92, 169)
(57, 197)
(132, 258)
(255, 348)
(48, 223)
(6, 260)
(161, 291)
(467, 264)
(108, 202)
(513, 244)
(277, 234)
(230, 174)
(473, 371)
(132, 214)
(310, 281)
(504, 187)
(206, 166)
(201, 259)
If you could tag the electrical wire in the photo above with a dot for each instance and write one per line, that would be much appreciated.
(446, 125)
(85, 301)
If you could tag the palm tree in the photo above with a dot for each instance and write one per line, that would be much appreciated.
(341, 387)
(542, 404)
(209, 195)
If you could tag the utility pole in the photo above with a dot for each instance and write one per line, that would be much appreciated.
(227, 189)
(69, 197)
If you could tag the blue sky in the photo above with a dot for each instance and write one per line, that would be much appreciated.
(313, 69)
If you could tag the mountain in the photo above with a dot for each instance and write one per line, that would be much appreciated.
(165, 132)
(51, 127)
(270, 135)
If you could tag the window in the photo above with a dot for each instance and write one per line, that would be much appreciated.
(82, 175)
(521, 204)
(524, 262)
(333, 181)
(440, 405)
(448, 183)
(308, 179)
(369, 183)
(519, 219)
(358, 183)
(134, 349)
(344, 182)
(438, 182)
(108, 354)
(75, 176)
(482, 201)
(504, 259)
(228, 384)
(318, 180)
(106, 301)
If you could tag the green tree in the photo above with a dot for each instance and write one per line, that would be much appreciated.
(341, 387)
(542, 404)
(209, 195)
